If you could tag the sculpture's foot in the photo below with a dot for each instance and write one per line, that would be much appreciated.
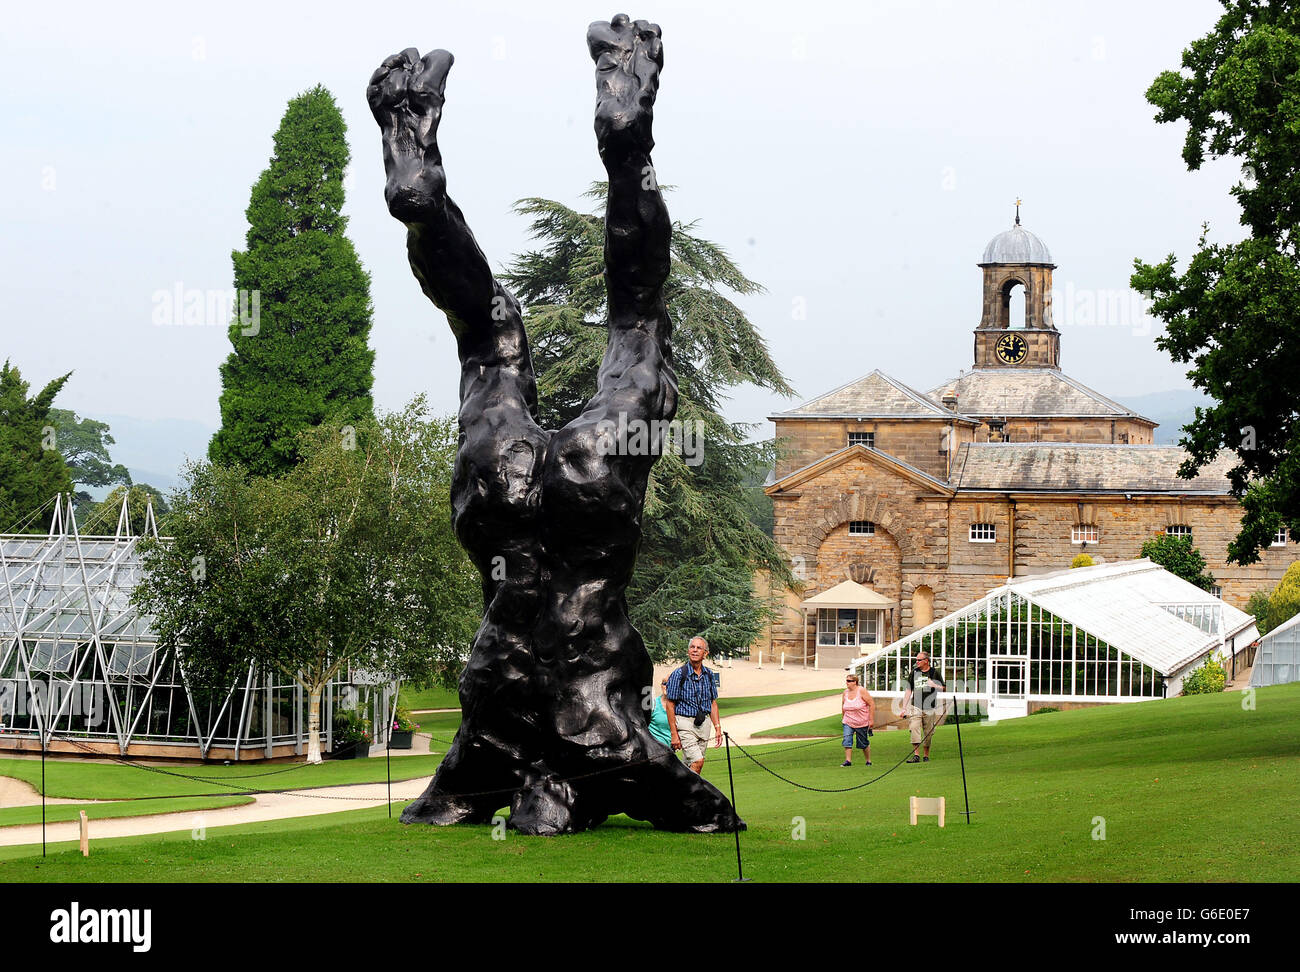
(689, 803)
(444, 809)
(406, 97)
(628, 56)
(550, 807)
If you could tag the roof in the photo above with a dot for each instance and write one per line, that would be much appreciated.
(812, 470)
(1028, 392)
(874, 396)
(849, 594)
(1082, 467)
(1135, 606)
(1016, 245)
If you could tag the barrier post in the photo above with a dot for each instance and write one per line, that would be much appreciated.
(740, 872)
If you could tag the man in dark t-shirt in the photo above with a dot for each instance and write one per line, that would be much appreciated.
(924, 683)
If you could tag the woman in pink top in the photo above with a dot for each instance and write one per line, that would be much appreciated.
(859, 715)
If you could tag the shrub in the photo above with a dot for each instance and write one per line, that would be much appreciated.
(1046, 708)
(1082, 560)
(1284, 602)
(1177, 555)
(1258, 606)
(1207, 679)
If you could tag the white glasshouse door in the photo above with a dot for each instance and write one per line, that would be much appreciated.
(1007, 687)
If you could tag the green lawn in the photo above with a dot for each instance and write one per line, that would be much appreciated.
(413, 697)
(753, 703)
(442, 726)
(440, 698)
(115, 781)
(54, 813)
(827, 726)
(1188, 789)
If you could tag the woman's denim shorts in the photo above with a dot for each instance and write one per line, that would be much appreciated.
(863, 734)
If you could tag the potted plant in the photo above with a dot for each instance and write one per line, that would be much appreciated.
(352, 736)
(404, 730)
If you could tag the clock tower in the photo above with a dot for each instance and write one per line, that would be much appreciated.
(1017, 258)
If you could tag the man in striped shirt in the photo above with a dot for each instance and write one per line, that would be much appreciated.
(692, 703)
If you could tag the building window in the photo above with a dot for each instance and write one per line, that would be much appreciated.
(1216, 590)
(1280, 538)
(847, 627)
(867, 439)
(862, 528)
(1179, 530)
(983, 532)
(1083, 533)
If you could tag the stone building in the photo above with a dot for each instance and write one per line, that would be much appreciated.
(927, 500)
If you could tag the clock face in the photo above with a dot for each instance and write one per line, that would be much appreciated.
(1011, 348)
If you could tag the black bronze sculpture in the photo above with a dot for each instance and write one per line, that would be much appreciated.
(553, 695)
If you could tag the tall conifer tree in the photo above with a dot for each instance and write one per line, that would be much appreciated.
(32, 469)
(302, 322)
(703, 536)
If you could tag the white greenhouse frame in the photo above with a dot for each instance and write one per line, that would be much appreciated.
(1121, 632)
(81, 670)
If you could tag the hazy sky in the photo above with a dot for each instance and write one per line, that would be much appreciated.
(853, 157)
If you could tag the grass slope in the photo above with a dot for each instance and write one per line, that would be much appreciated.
(754, 703)
(115, 781)
(54, 813)
(437, 697)
(1189, 790)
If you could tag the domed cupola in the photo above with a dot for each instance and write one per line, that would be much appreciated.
(1016, 245)
(1017, 258)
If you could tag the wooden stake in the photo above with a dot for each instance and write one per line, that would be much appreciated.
(85, 835)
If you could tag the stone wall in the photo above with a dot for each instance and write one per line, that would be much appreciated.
(917, 442)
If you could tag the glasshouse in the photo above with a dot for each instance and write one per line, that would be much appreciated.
(1278, 657)
(81, 670)
(1120, 632)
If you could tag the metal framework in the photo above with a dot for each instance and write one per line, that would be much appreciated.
(79, 662)
(1119, 632)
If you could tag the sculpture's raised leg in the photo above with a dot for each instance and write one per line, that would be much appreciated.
(552, 697)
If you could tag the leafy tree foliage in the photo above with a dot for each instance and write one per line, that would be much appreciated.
(303, 356)
(1177, 555)
(1284, 602)
(84, 444)
(703, 535)
(102, 517)
(32, 471)
(347, 559)
(1234, 312)
(1257, 606)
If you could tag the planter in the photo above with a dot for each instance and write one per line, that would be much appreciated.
(401, 739)
(352, 750)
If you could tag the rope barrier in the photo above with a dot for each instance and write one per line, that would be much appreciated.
(621, 767)
(844, 789)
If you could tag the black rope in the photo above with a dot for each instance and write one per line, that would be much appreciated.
(843, 789)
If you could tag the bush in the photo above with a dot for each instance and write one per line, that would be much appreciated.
(1258, 606)
(1207, 679)
(1046, 708)
(350, 727)
(1177, 555)
(1284, 603)
(1082, 560)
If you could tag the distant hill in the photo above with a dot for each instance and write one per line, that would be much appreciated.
(1172, 409)
(155, 449)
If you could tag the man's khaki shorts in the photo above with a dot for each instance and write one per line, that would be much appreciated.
(694, 741)
(922, 724)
